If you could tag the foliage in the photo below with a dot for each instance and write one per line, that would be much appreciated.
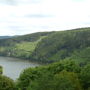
(42, 74)
(62, 81)
(85, 76)
(6, 83)
(82, 56)
(62, 44)
(48, 47)
(25, 38)
(23, 49)
(63, 75)
(1, 70)
(70, 49)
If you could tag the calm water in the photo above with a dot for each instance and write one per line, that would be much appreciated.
(12, 67)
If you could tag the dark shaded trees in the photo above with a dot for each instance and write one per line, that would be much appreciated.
(85, 77)
(6, 83)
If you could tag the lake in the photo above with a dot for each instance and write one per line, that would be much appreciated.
(12, 67)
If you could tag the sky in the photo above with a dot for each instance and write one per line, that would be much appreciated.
(18, 17)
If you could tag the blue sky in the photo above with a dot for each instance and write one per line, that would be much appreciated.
(18, 17)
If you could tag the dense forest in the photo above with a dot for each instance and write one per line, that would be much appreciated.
(21, 46)
(48, 47)
(66, 55)
(63, 75)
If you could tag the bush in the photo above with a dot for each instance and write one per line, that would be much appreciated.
(6, 83)
(85, 77)
(62, 81)
(1, 71)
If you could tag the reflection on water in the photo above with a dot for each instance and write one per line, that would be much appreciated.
(12, 67)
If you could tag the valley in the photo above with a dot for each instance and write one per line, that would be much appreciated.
(64, 55)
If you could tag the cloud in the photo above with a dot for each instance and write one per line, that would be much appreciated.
(78, 0)
(38, 16)
(27, 16)
(29, 1)
(16, 2)
(8, 2)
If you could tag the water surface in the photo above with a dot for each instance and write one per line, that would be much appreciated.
(12, 67)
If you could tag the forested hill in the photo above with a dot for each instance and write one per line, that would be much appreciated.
(47, 47)
(21, 46)
(24, 38)
(62, 44)
(70, 48)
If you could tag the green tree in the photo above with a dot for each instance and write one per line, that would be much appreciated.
(1, 71)
(85, 77)
(42, 83)
(62, 81)
(67, 81)
(6, 83)
(26, 77)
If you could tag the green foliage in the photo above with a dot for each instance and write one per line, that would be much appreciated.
(25, 38)
(85, 76)
(67, 81)
(42, 83)
(62, 81)
(71, 48)
(22, 49)
(68, 65)
(6, 83)
(60, 45)
(46, 73)
(26, 77)
(48, 47)
(82, 56)
(1, 70)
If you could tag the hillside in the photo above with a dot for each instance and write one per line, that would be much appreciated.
(47, 47)
(21, 46)
(64, 44)
(70, 50)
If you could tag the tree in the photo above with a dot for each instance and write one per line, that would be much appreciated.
(1, 71)
(85, 77)
(62, 81)
(67, 81)
(6, 83)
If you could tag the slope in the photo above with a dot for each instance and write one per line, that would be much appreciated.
(48, 47)
(63, 44)
(21, 46)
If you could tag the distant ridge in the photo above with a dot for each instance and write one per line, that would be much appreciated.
(5, 37)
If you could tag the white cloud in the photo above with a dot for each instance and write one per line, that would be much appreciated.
(27, 16)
